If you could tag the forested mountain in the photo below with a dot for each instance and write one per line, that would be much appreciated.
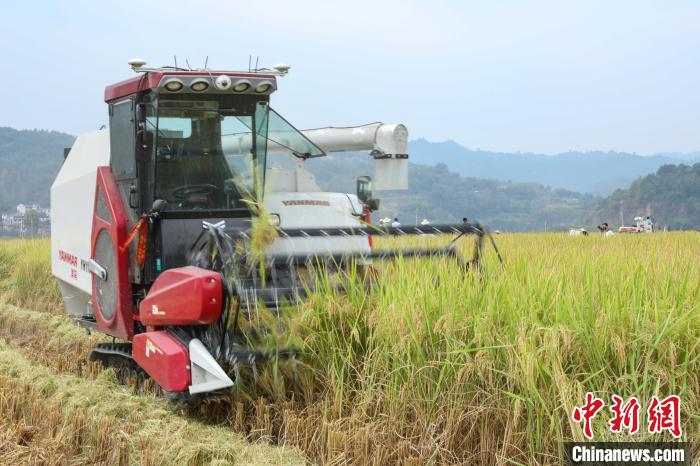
(587, 172)
(439, 195)
(29, 161)
(671, 196)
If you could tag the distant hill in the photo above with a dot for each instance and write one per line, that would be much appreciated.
(439, 195)
(671, 196)
(693, 156)
(29, 161)
(587, 172)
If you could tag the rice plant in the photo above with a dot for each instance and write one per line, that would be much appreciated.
(436, 365)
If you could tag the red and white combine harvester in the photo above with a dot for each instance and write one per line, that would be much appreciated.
(641, 225)
(152, 220)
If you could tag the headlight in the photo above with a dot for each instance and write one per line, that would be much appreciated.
(174, 85)
(275, 220)
(199, 85)
(263, 87)
(241, 86)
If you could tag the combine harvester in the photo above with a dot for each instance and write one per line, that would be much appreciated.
(154, 220)
(641, 225)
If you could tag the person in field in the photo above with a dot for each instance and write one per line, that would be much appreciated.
(395, 223)
(604, 227)
(465, 221)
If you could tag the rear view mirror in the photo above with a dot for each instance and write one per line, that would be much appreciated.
(158, 206)
(364, 189)
(364, 193)
(144, 144)
(141, 113)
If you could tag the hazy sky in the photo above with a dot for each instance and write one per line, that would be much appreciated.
(542, 76)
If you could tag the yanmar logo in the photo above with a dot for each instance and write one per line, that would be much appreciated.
(306, 202)
(67, 258)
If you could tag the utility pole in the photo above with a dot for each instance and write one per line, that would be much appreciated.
(622, 213)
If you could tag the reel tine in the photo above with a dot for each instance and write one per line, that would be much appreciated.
(495, 248)
(237, 372)
(246, 292)
(293, 278)
(257, 311)
(254, 366)
(276, 283)
(277, 302)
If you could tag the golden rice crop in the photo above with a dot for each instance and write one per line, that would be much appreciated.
(25, 274)
(435, 365)
(488, 366)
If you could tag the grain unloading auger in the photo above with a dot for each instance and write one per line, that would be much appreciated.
(157, 222)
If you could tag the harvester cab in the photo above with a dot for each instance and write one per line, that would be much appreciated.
(156, 221)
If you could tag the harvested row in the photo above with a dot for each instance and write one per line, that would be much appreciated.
(56, 419)
(50, 340)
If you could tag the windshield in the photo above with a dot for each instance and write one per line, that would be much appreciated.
(210, 154)
(283, 137)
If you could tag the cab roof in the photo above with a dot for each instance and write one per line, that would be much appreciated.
(154, 80)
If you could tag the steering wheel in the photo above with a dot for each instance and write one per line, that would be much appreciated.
(184, 192)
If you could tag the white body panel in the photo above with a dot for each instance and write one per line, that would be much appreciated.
(207, 375)
(644, 224)
(294, 196)
(390, 174)
(316, 210)
(278, 180)
(72, 205)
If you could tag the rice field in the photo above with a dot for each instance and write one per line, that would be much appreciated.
(434, 366)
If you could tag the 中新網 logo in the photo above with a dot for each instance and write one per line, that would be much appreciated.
(662, 415)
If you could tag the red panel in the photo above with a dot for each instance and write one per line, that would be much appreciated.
(151, 80)
(183, 296)
(368, 220)
(131, 86)
(164, 358)
(121, 323)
